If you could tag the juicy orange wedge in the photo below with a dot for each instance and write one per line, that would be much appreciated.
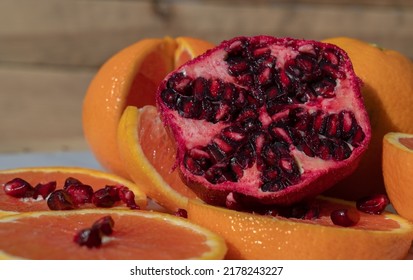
(254, 236)
(129, 77)
(137, 235)
(148, 155)
(397, 171)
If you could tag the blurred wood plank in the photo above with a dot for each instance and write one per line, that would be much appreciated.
(40, 109)
(86, 33)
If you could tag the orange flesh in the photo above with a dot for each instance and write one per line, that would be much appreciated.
(184, 57)
(153, 69)
(367, 221)
(408, 142)
(159, 150)
(134, 237)
(9, 203)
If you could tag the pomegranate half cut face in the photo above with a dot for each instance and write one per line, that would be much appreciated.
(266, 120)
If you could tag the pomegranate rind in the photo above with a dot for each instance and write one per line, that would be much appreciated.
(316, 175)
(214, 244)
(252, 236)
(49, 173)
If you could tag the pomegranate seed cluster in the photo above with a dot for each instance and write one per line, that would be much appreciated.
(73, 195)
(92, 237)
(254, 103)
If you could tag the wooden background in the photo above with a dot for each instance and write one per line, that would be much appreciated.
(50, 49)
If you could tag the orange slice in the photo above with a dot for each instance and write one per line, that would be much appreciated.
(397, 171)
(34, 175)
(129, 77)
(149, 157)
(136, 235)
(253, 236)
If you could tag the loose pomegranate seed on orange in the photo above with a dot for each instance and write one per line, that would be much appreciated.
(375, 204)
(19, 188)
(345, 217)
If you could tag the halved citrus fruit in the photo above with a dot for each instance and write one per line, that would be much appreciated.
(387, 77)
(130, 77)
(35, 175)
(254, 236)
(136, 235)
(148, 155)
(397, 171)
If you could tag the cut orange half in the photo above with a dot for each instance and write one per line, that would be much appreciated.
(148, 155)
(253, 236)
(129, 77)
(137, 235)
(398, 171)
(34, 175)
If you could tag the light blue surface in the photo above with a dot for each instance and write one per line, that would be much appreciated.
(82, 159)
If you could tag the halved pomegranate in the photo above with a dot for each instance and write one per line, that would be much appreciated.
(264, 119)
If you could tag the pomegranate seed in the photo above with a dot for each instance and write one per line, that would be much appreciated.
(181, 213)
(91, 237)
(71, 181)
(19, 188)
(128, 197)
(45, 189)
(114, 192)
(345, 217)
(80, 194)
(104, 225)
(373, 204)
(103, 198)
(60, 200)
(312, 213)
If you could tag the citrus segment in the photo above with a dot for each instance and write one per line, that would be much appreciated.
(397, 171)
(253, 236)
(130, 77)
(34, 175)
(387, 77)
(136, 235)
(149, 157)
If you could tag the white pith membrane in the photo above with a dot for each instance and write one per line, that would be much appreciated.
(190, 133)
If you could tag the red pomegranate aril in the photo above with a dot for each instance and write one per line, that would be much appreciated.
(92, 237)
(375, 204)
(312, 213)
(80, 193)
(104, 225)
(345, 217)
(128, 197)
(89, 237)
(253, 103)
(114, 192)
(60, 200)
(181, 213)
(45, 189)
(19, 188)
(71, 181)
(103, 198)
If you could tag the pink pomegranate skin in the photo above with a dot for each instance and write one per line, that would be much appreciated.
(265, 120)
